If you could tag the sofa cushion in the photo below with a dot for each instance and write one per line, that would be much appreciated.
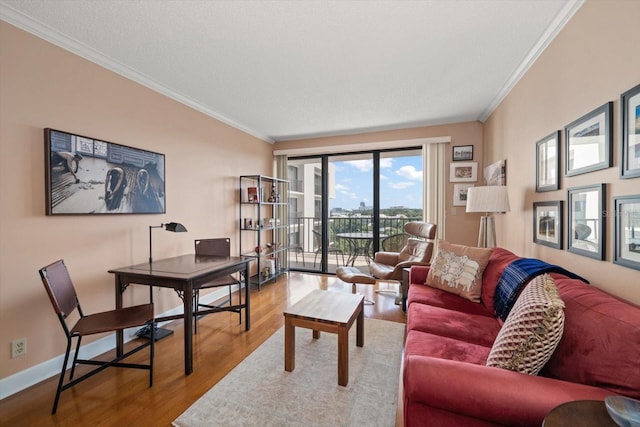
(498, 261)
(471, 328)
(532, 330)
(458, 269)
(421, 294)
(601, 340)
(425, 344)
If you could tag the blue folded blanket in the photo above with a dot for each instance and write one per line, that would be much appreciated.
(516, 275)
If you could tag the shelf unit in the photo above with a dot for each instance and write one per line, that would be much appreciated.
(264, 225)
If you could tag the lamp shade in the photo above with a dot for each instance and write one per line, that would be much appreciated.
(493, 198)
(175, 227)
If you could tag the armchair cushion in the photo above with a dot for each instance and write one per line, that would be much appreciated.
(458, 269)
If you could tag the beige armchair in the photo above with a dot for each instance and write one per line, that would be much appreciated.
(417, 251)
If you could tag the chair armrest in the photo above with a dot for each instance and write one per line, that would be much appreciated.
(498, 395)
(418, 274)
(386, 258)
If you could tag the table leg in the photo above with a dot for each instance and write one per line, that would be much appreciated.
(188, 329)
(343, 356)
(289, 346)
(316, 334)
(360, 326)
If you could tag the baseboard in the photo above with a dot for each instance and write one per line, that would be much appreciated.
(45, 370)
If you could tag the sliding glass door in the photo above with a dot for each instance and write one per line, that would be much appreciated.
(346, 207)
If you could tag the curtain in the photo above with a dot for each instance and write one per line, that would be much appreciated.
(281, 162)
(435, 186)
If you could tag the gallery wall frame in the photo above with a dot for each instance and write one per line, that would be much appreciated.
(496, 173)
(462, 153)
(547, 223)
(626, 231)
(463, 172)
(589, 141)
(630, 133)
(85, 175)
(460, 194)
(586, 229)
(548, 163)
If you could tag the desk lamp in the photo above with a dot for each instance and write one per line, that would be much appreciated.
(488, 199)
(159, 332)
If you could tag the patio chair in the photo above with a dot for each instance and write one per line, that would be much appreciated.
(331, 249)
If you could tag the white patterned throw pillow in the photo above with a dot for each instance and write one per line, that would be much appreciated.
(532, 330)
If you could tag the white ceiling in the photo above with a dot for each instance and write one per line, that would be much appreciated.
(296, 69)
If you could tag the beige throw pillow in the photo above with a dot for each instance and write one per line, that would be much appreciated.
(532, 330)
(458, 269)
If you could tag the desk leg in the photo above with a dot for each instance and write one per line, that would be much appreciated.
(247, 311)
(188, 328)
(119, 333)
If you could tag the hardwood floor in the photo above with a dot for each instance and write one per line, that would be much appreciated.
(122, 397)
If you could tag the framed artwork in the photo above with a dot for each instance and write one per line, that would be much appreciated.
(589, 141)
(586, 222)
(627, 231)
(548, 163)
(496, 173)
(547, 223)
(89, 176)
(462, 153)
(460, 194)
(463, 172)
(630, 133)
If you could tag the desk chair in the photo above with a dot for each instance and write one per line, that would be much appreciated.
(215, 247)
(59, 287)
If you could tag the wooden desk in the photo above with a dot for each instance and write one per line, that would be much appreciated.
(326, 311)
(583, 413)
(184, 274)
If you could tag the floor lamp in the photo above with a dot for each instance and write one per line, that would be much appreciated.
(489, 200)
(160, 333)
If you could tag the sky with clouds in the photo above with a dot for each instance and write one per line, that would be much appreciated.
(400, 183)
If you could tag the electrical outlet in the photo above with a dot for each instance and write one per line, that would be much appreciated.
(18, 347)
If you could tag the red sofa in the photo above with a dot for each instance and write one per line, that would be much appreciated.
(445, 378)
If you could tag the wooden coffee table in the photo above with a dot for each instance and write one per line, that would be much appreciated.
(326, 311)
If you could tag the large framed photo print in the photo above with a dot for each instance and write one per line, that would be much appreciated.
(586, 221)
(547, 223)
(588, 141)
(627, 231)
(630, 133)
(90, 176)
(548, 163)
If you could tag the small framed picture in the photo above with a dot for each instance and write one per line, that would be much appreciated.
(248, 224)
(548, 163)
(460, 194)
(496, 173)
(630, 133)
(547, 223)
(627, 231)
(462, 153)
(463, 172)
(586, 222)
(588, 141)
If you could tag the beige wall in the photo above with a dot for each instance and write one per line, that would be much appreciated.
(45, 86)
(460, 227)
(592, 61)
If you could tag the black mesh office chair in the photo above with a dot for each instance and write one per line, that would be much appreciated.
(57, 282)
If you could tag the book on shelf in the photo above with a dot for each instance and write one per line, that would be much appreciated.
(252, 195)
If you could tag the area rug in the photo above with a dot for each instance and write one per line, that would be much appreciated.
(260, 392)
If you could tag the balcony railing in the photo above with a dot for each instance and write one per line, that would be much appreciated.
(303, 241)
